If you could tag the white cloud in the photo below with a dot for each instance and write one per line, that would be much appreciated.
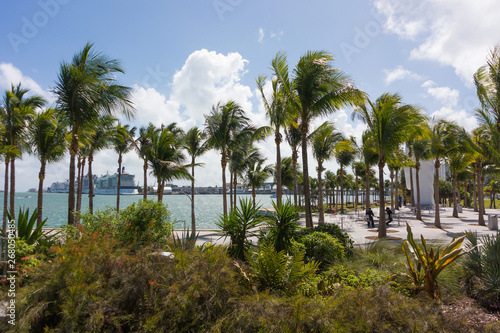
(261, 36)
(399, 73)
(450, 32)
(450, 110)
(10, 74)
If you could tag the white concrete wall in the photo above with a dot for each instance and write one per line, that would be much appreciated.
(426, 180)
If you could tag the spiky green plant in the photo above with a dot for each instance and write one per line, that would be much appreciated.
(25, 226)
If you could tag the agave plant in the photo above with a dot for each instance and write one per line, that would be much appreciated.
(424, 264)
(25, 224)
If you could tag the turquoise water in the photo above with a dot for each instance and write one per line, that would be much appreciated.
(207, 207)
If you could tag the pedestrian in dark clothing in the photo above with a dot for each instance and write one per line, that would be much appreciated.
(370, 215)
(389, 214)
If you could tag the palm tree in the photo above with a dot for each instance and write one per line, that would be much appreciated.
(293, 137)
(279, 117)
(487, 81)
(221, 123)
(123, 139)
(86, 88)
(317, 89)
(143, 146)
(358, 168)
(345, 152)
(16, 112)
(257, 174)
(165, 157)
(7, 152)
(48, 142)
(443, 142)
(99, 139)
(195, 144)
(324, 141)
(420, 146)
(369, 158)
(287, 173)
(390, 124)
(331, 182)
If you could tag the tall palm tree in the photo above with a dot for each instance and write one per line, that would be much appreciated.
(316, 89)
(99, 139)
(324, 141)
(443, 142)
(166, 158)
(279, 117)
(390, 124)
(195, 144)
(221, 123)
(7, 152)
(345, 153)
(143, 146)
(16, 112)
(86, 88)
(287, 173)
(487, 81)
(421, 151)
(358, 169)
(257, 174)
(123, 142)
(369, 158)
(293, 137)
(47, 141)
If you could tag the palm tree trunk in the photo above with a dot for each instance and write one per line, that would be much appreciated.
(437, 220)
(41, 177)
(235, 176)
(454, 186)
(341, 189)
(307, 189)
(13, 188)
(5, 195)
(412, 199)
(224, 199)
(396, 187)
(295, 186)
(474, 189)
(392, 190)
(481, 196)
(71, 194)
(417, 183)
(367, 189)
(382, 229)
(91, 184)
(357, 192)
(193, 222)
(80, 190)
(253, 195)
(321, 210)
(277, 140)
(161, 189)
(118, 185)
(145, 182)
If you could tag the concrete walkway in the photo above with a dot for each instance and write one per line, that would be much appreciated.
(355, 225)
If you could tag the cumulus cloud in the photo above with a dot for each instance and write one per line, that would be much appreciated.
(453, 33)
(10, 74)
(261, 36)
(399, 73)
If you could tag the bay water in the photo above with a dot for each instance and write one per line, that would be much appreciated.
(208, 207)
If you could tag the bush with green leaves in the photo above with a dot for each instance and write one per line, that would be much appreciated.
(278, 271)
(482, 269)
(240, 225)
(282, 226)
(344, 238)
(323, 247)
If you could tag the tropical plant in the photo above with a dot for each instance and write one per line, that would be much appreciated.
(123, 138)
(293, 137)
(240, 225)
(342, 236)
(26, 229)
(390, 124)
(322, 247)
(424, 264)
(369, 157)
(86, 88)
(316, 89)
(165, 157)
(47, 141)
(195, 144)
(282, 226)
(279, 117)
(257, 174)
(345, 153)
(223, 121)
(421, 152)
(276, 271)
(143, 145)
(324, 142)
(16, 111)
(487, 81)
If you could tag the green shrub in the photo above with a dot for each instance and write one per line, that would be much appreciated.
(344, 238)
(322, 247)
(283, 226)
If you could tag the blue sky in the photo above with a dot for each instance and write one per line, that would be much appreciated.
(181, 57)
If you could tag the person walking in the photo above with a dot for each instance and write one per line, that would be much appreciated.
(369, 213)
(389, 215)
